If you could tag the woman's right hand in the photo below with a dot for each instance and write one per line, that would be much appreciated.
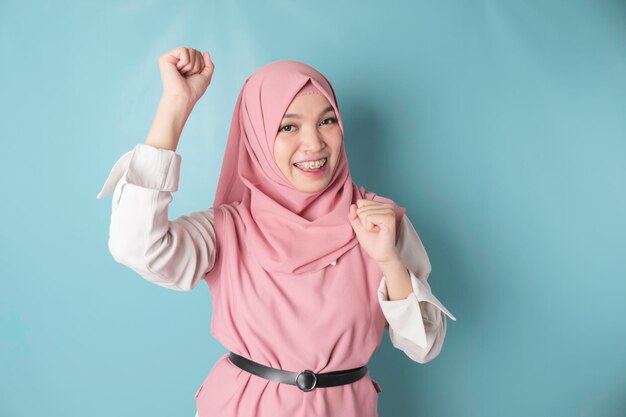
(185, 73)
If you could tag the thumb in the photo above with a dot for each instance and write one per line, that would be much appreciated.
(167, 65)
(208, 65)
(354, 218)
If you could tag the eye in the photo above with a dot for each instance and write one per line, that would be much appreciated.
(330, 118)
(283, 127)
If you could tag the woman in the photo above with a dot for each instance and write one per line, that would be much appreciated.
(305, 268)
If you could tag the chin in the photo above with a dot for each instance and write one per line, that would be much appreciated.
(311, 188)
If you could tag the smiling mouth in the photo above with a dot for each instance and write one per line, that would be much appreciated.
(312, 166)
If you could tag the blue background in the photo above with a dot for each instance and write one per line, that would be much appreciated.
(499, 125)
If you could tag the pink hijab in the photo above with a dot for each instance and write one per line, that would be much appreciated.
(287, 230)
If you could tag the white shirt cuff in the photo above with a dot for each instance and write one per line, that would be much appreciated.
(405, 316)
(145, 166)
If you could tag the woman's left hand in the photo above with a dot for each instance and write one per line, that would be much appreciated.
(375, 226)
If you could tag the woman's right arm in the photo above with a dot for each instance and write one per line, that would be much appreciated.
(173, 254)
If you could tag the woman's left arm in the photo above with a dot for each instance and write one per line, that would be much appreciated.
(417, 323)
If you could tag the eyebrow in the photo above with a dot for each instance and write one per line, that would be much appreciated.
(326, 110)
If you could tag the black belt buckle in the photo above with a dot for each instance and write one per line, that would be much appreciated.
(306, 380)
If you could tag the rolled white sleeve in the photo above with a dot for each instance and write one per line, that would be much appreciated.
(173, 254)
(417, 324)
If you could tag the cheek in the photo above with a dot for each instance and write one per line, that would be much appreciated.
(337, 144)
(282, 154)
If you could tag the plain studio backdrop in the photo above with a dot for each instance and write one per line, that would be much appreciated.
(500, 125)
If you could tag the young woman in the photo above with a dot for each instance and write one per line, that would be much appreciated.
(305, 268)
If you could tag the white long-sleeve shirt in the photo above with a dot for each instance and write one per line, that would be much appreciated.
(176, 254)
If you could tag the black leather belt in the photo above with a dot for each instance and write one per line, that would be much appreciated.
(306, 380)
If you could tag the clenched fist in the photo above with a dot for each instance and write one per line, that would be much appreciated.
(374, 224)
(186, 73)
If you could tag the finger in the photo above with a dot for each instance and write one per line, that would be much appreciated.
(183, 59)
(169, 57)
(198, 63)
(183, 63)
(368, 224)
(351, 212)
(375, 210)
(372, 219)
(192, 59)
(362, 202)
(376, 207)
(208, 65)
(365, 220)
(354, 218)
(168, 62)
(192, 62)
(377, 213)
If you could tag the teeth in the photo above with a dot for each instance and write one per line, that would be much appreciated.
(312, 165)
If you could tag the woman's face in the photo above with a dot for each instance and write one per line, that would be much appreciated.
(308, 132)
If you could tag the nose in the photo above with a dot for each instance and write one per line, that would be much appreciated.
(312, 140)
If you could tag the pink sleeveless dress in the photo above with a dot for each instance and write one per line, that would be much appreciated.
(324, 321)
